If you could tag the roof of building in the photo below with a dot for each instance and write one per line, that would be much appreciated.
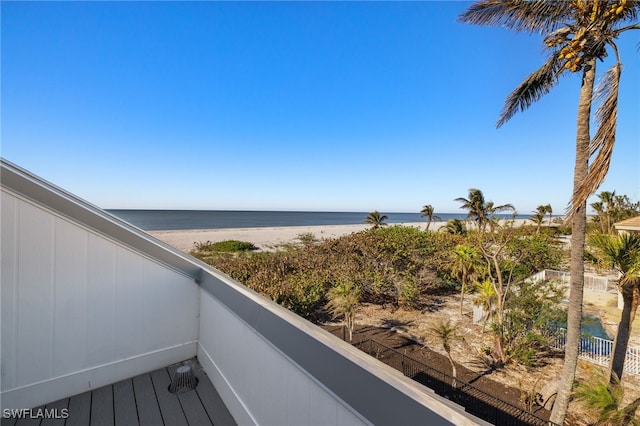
(632, 224)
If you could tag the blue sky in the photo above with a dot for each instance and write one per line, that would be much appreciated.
(290, 106)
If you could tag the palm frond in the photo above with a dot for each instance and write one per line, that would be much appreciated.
(518, 15)
(536, 85)
(602, 143)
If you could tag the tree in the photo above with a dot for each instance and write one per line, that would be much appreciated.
(548, 209)
(485, 299)
(599, 208)
(612, 208)
(376, 219)
(577, 33)
(465, 259)
(455, 227)
(623, 253)
(344, 300)
(603, 401)
(480, 210)
(538, 217)
(427, 211)
(445, 333)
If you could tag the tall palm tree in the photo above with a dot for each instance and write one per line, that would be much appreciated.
(599, 208)
(607, 198)
(623, 253)
(479, 210)
(577, 33)
(376, 219)
(427, 211)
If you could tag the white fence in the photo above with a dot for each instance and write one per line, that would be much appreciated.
(591, 282)
(598, 351)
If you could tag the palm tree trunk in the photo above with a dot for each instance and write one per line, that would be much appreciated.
(579, 222)
(621, 341)
(454, 371)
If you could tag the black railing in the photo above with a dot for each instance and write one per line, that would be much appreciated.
(475, 401)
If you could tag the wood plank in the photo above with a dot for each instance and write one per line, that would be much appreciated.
(102, 406)
(211, 401)
(146, 401)
(56, 409)
(124, 404)
(170, 407)
(79, 410)
(8, 421)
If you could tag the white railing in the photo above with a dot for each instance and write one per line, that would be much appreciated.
(591, 282)
(598, 351)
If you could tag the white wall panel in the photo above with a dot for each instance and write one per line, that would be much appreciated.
(70, 280)
(80, 310)
(100, 300)
(9, 288)
(129, 271)
(35, 295)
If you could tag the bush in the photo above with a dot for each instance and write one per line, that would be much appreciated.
(228, 246)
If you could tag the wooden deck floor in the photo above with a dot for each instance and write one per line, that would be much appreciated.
(141, 400)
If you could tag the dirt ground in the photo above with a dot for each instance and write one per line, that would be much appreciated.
(510, 383)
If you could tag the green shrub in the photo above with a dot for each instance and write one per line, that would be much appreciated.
(228, 246)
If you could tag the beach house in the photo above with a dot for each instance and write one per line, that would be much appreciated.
(97, 315)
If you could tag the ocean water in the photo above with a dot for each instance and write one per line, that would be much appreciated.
(155, 220)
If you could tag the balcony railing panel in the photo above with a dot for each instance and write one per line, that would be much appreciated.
(273, 367)
(79, 309)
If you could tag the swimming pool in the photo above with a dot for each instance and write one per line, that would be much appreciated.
(592, 326)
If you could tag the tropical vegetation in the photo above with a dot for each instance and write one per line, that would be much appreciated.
(405, 267)
(577, 35)
(621, 252)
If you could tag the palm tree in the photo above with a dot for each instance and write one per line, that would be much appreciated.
(623, 253)
(548, 209)
(445, 333)
(344, 300)
(480, 210)
(603, 401)
(455, 227)
(376, 219)
(486, 299)
(427, 211)
(538, 217)
(607, 198)
(599, 208)
(465, 260)
(577, 34)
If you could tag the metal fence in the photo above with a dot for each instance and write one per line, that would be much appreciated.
(477, 402)
(598, 351)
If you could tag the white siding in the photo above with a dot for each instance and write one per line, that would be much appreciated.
(74, 301)
(258, 383)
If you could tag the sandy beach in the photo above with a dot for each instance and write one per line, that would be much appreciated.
(265, 238)
(268, 238)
